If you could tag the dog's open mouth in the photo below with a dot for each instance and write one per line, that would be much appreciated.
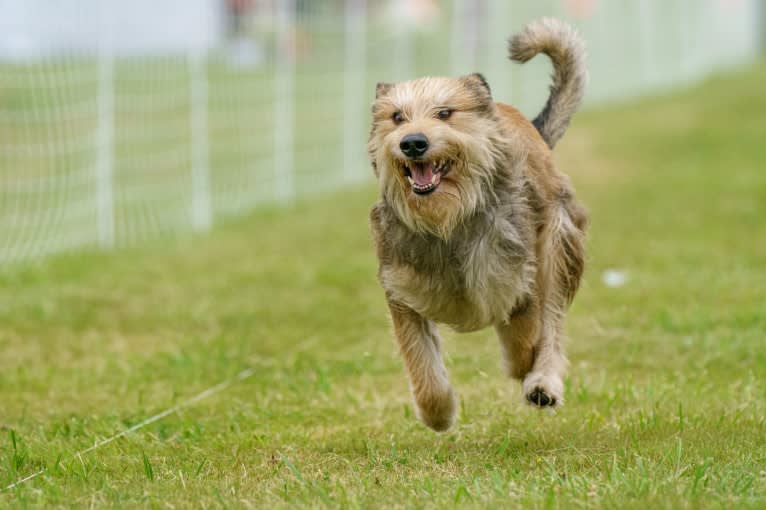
(425, 176)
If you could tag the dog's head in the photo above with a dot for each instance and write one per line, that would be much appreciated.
(434, 147)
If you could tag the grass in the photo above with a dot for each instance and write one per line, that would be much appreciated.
(666, 395)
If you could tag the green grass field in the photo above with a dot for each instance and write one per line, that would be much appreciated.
(666, 397)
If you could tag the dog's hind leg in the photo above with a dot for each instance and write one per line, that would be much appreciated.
(562, 256)
(420, 347)
(532, 352)
(543, 386)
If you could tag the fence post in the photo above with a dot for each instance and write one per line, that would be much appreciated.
(284, 91)
(457, 38)
(201, 210)
(684, 35)
(761, 6)
(105, 131)
(646, 31)
(354, 86)
(498, 27)
(403, 48)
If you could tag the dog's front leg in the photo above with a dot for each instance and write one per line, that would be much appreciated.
(420, 347)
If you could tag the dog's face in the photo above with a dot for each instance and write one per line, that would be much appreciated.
(433, 148)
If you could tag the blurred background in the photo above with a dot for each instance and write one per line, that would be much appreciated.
(184, 199)
(124, 121)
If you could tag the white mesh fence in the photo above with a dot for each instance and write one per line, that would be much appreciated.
(122, 121)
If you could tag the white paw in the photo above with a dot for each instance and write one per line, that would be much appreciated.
(543, 390)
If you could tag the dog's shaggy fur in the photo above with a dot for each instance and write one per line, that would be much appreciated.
(476, 226)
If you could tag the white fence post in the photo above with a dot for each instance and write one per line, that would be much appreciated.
(646, 30)
(498, 28)
(354, 86)
(403, 49)
(284, 91)
(105, 131)
(761, 6)
(457, 38)
(201, 213)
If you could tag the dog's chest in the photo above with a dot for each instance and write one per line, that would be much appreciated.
(472, 281)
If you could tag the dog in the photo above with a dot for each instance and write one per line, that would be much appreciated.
(475, 226)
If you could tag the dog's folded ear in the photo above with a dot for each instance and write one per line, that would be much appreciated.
(381, 89)
(478, 87)
(477, 80)
(477, 83)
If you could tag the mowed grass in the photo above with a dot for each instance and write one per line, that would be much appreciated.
(666, 397)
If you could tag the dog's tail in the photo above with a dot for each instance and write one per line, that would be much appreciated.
(566, 50)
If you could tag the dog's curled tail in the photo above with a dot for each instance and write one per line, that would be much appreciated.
(566, 50)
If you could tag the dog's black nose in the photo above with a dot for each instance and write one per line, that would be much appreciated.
(414, 146)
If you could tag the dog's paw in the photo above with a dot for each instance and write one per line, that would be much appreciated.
(543, 390)
(438, 411)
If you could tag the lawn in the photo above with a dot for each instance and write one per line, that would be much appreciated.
(666, 397)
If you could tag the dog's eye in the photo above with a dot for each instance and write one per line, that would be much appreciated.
(397, 117)
(444, 114)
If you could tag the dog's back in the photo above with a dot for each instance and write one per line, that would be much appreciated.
(563, 46)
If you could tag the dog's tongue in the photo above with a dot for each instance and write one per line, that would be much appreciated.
(423, 174)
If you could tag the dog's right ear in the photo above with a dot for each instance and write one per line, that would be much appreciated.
(381, 89)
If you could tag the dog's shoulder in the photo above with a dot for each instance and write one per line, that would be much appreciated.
(378, 215)
(392, 239)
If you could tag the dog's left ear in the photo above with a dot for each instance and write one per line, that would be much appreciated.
(477, 80)
(477, 84)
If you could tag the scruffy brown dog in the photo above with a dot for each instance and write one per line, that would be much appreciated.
(476, 226)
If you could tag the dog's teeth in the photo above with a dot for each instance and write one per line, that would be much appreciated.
(433, 179)
(412, 181)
